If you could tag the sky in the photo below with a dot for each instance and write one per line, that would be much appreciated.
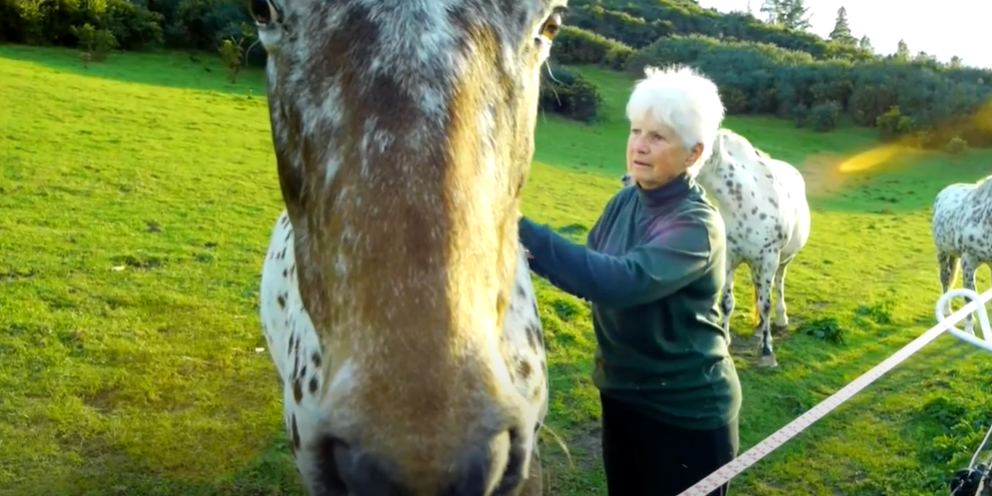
(941, 32)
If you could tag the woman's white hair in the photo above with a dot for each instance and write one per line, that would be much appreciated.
(683, 100)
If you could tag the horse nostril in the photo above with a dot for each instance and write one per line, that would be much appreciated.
(475, 475)
(477, 469)
(359, 473)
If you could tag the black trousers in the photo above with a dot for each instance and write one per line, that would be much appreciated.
(644, 457)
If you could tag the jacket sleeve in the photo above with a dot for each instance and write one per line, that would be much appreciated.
(673, 256)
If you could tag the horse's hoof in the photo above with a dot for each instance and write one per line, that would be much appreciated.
(767, 361)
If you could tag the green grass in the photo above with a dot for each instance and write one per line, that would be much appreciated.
(137, 198)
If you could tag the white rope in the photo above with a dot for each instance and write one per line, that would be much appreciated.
(771, 443)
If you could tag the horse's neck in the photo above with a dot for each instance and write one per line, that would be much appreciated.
(711, 179)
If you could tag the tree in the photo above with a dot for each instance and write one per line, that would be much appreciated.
(771, 10)
(902, 50)
(842, 30)
(922, 56)
(794, 14)
(865, 43)
(956, 62)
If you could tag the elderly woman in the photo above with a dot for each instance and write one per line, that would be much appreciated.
(653, 269)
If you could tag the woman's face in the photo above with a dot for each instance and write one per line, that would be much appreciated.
(655, 154)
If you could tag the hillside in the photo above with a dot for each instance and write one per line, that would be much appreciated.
(638, 23)
(761, 68)
(128, 323)
(765, 69)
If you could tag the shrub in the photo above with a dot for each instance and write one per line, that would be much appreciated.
(956, 145)
(230, 55)
(734, 100)
(824, 116)
(570, 95)
(616, 57)
(574, 46)
(893, 124)
(95, 43)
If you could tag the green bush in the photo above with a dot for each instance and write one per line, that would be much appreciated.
(570, 95)
(576, 46)
(892, 124)
(824, 116)
(956, 145)
(734, 100)
(51, 22)
(95, 43)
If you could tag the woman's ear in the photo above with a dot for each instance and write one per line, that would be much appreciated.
(694, 153)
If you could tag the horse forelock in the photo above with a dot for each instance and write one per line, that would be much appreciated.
(403, 132)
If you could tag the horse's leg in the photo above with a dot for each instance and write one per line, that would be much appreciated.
(948, 265)
(969, 265)
(762, 275)
(781, 317)
(727, 299)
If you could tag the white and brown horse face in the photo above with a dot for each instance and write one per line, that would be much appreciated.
(403, 132)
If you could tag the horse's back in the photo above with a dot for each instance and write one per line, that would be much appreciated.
(960, 221)
(949, 207)
(792, 192)
(770, 204)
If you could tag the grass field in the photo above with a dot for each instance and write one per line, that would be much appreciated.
(136, 199)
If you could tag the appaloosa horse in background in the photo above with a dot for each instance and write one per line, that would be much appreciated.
(763, 204)
(961, 224)
(395, 299)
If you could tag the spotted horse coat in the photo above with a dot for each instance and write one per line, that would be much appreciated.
(295, 347)
(763, 204)
(396, 297)
(961, 225)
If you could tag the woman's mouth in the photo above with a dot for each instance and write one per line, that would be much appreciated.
(641, 164)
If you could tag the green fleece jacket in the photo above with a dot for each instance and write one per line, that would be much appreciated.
(653, 268)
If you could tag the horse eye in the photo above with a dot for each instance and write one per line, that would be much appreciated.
(263, 11)
(551, 26)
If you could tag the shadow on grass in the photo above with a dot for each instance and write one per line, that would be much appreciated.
(172, 69)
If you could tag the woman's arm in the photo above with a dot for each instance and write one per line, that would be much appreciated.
(538, 268)
(673, 256)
